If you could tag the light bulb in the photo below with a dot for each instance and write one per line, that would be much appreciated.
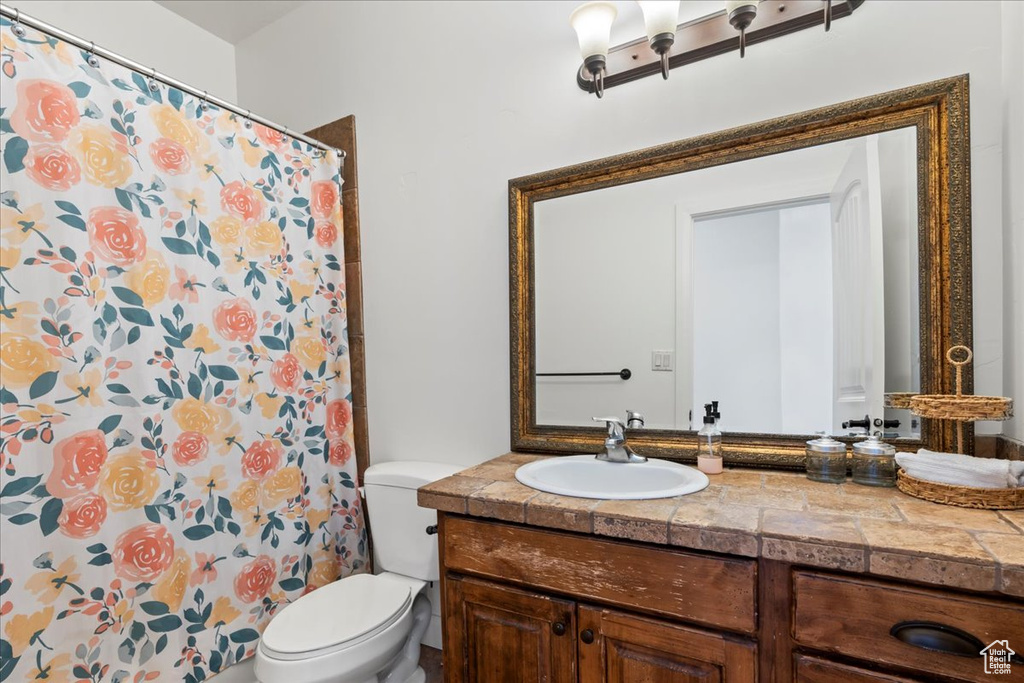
(660, 17)
(593, 24)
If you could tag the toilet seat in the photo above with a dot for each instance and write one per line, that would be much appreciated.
(337, 616)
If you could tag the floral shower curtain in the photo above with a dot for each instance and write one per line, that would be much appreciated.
(176, 435)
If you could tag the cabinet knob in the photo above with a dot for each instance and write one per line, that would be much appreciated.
(558, 629)
(937, 638)
(587, 636)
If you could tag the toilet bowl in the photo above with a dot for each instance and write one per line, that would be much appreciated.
(365, 628)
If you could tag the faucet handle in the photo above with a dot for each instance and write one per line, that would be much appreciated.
(616, 430)
(634, 420)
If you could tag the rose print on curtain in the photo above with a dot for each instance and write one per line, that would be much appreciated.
(176, 435)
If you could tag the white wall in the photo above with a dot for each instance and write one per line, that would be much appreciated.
(1013, 209)
(605, 299)
(148, 34)
(455, 98)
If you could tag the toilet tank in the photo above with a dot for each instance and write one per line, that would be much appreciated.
(398, 525)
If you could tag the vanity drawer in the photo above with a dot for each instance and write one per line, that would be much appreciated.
(715, 591)
(854, 617)
(814, 670)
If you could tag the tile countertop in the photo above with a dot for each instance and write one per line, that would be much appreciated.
(775, 515)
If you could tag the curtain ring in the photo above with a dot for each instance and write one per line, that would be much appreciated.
(202, 103)
(16, 27)
(153, 85)
(248, 121)
(90, 56)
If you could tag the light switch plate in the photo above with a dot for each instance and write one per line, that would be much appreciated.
(662, 361)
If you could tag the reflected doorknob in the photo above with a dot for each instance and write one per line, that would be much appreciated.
(858, 424)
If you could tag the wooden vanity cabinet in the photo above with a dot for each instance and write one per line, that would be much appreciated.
(497, 632)
(525, 604)
(505, 635)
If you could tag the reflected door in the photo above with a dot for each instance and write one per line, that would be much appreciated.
(858, 288)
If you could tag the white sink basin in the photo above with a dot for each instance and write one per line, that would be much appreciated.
(584, 476)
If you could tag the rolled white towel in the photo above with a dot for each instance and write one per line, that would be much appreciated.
(962, 470)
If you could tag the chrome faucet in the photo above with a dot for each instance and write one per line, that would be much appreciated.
(615, 448)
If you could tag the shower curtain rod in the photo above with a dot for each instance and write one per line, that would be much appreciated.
(17, 16)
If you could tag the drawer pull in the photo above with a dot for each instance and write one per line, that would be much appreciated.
(558, 628)
(587, 636)
(929, 635)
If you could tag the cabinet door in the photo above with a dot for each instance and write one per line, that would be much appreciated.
(495, 634)
(619, 648)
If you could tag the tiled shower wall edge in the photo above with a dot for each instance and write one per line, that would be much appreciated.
(342, 135)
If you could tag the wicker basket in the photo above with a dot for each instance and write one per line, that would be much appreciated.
(899, 400)
(961, 496)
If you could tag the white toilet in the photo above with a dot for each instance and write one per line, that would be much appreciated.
(366, 628)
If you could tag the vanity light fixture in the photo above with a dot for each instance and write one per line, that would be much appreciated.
(669, 45)
(592, 22)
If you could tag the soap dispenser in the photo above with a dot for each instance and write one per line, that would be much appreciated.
(709, 444)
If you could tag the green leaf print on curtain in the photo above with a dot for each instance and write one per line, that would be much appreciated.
(176, 436)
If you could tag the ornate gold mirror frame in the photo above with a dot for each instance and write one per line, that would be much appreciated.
(938, 111)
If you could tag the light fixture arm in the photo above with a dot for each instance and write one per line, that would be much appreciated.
(595, 65)
(741, 17)
(662, 45)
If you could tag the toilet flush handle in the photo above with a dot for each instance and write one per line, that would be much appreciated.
(432, 529)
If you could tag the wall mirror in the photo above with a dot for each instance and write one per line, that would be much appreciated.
(797, 271)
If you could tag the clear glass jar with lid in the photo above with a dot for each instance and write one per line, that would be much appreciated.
(826, 460)
(874, 462)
